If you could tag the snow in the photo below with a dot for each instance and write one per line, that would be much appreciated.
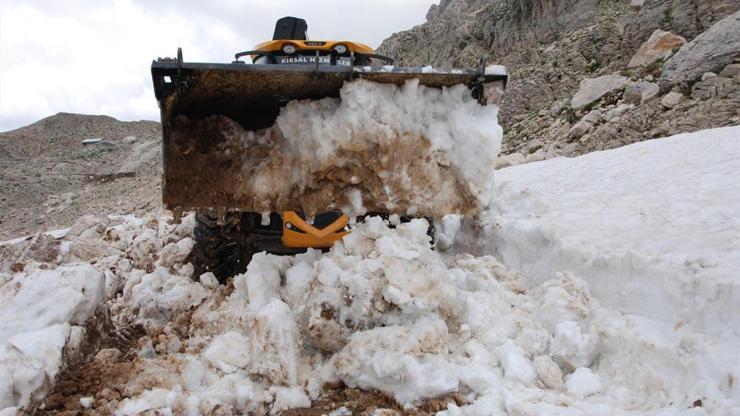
(37, 309)
(461, 134)
(653, 227)
(582, 382)
(86, 402)
(495, 70)
(612, 290)
(377, 148)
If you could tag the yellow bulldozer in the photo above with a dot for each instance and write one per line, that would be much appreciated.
(289, 67)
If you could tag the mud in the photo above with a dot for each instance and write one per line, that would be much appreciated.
(368, 403)
(101, 368)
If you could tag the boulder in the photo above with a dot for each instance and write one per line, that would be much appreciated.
(708, 75)
(730, 71)
(660, 45)
(591, 90)
(432, 12)
(640, 92)
(672, 99)
(637, 4)
(708, 52)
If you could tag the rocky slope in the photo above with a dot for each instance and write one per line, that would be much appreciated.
(49, 178)
(551, 47)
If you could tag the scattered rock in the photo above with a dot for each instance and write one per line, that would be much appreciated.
(579, 129)
(591, 90)
(512, 159)
(540, 154)
(711, 88)
(618, 112)
(672, 99)
(558, 106)
(709, 51)
(588, 121)
(660, 45)
(640, 92)
(109, 355)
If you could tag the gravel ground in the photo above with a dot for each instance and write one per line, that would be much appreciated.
(48, 178)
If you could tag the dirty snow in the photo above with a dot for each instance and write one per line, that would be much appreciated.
(377, 148)
(535, 331)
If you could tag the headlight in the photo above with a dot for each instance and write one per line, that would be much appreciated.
(340, 49)
(289, 49)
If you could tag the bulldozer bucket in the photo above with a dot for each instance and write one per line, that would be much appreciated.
(190, 94)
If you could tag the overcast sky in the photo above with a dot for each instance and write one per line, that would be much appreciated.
(93, 57)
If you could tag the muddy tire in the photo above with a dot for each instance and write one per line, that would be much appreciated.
(218, 246)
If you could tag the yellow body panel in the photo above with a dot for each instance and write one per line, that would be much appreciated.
(312, 45)
(311, 236)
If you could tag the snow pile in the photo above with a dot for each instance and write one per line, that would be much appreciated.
(560, 327)
(380, 148)
(55, 282)
(653, 227)
(384, 311)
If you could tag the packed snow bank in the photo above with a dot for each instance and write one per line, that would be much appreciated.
(379, 148)
(654, 227)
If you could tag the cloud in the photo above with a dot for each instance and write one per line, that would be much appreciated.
(93, 57)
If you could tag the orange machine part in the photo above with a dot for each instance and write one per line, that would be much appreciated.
(311, 236)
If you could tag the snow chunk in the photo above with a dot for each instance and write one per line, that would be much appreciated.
(402, 361)
(27, 361)
(572, 346)
(583, 382)
(274, 344)
(288, 398)
(161, 295)
(86, 402)
(496, 70)
(38, 299)
(516, 365)
(174, 253)
(228, 352)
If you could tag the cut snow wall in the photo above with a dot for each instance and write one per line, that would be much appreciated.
(653, 227)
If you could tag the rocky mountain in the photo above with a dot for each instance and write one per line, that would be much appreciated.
(584, 73)
(68, 165)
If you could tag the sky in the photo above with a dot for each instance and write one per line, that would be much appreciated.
(93, 57)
